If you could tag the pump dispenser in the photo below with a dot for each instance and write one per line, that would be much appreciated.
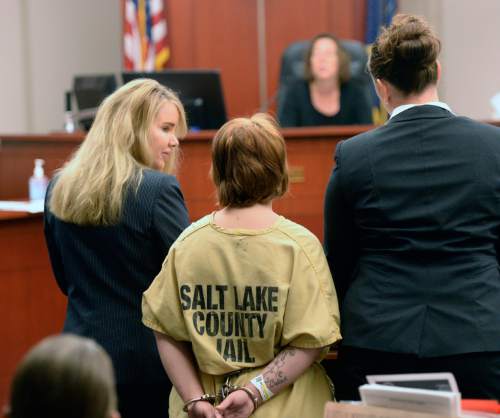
(38, 181)
(69, 122)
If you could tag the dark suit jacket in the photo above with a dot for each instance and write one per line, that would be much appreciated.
(104, 271)
(412, 218)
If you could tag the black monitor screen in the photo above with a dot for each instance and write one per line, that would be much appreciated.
(90, 91)
(200, 92)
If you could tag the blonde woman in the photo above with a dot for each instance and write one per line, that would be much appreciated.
(111, 215)
(64, 376)
(244, 305)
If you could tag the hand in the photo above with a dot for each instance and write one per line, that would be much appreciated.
(203, 409)
(236, 405)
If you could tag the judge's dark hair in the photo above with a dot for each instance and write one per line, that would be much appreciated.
(405, 54)
(344, 60)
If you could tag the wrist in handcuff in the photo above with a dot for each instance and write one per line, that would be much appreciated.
(203, 398)
(251, 390)
(254, 397)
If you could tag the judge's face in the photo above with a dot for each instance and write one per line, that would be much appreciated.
(324, 59)
(162, 135)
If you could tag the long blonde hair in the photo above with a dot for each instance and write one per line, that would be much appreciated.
(91, 187)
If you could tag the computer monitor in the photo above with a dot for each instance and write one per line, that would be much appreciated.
(200, 92)
(90, 91)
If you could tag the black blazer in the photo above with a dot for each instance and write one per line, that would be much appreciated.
(298, 110)
(104, 271)
(412, 224)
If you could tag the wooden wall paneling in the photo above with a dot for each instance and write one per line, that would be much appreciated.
(180, 33)
(31, 305)
(347, 19)
(223, 34)
(194, 177)
(293, 20)
(17, 156)
(359, 32)
(219, 34)
(288, 21)
(310, 163)
(228, 29)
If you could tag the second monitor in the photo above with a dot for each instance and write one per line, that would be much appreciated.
(200, 92)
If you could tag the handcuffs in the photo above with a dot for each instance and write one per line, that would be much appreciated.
(226, 389)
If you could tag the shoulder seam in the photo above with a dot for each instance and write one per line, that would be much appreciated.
(301, 247)
(192, 229)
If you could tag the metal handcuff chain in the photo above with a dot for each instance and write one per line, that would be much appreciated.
(226, 389)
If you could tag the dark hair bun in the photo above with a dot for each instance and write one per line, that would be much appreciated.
(405, 54)
(415, 44)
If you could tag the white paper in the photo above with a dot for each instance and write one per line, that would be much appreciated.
(434, 381)
(436, 402)
(495, 102)
(34, 206)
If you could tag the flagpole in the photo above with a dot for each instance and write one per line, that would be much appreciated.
(262, 61)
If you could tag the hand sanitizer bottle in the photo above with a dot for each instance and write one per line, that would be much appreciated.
(69, 123)
(38, 181)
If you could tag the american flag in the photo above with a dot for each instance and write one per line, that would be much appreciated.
(145, 45)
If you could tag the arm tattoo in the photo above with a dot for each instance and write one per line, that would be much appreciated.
(275, 376)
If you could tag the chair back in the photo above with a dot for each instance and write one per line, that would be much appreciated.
(293, 65)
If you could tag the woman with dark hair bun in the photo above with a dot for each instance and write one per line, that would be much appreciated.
(412, 230)
(405, 56)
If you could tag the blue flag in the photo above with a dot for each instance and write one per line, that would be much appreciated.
(378, 13)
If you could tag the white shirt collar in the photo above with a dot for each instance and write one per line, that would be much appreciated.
(404, 107)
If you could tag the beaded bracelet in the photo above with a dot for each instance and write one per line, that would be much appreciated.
(205, 398)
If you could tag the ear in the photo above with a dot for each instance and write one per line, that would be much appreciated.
(382, 91)
(438, 65)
